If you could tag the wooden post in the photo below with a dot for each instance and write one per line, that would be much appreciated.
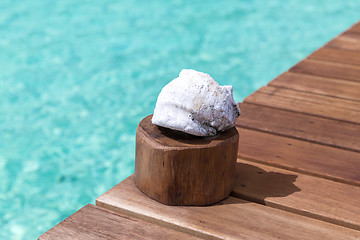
(176, 168)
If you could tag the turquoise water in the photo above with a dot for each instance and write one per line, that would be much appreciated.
(76, 77)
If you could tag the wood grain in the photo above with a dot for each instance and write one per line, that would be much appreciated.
(347, 41)
(176, 168)
(232, 218)
(300, 126)
(327, 69)
(92, 222)
(310, 196)
(300, 156)
(313, 104)
(318, 85)
(336, 55)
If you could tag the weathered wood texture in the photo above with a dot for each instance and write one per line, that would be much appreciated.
(92, 222)
(176, 168)
(336, 55)
(347, 41)
(318, 85)
(313, 104)
(301, 126)
(232, 218)
(328, 69)
(299, 193)
(301, 156)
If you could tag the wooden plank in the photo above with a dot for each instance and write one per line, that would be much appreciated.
(355, 28)
(318, 85)
(300, 156)
(298, 193)
(336, 55)
(232, 218)
(317, 105)
(327, 69)
(300, 126)
(347, 41)
(92, 222)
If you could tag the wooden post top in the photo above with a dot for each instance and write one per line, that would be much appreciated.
(167, 138)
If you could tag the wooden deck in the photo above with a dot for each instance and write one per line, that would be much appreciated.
(298, 169)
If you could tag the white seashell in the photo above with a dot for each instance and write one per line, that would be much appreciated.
(196, 104)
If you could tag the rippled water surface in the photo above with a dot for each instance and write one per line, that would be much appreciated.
(77, 76)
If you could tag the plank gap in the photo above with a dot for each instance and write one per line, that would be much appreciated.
(274, 120)
(332, 63)
(347, 41)
(294, 169)
(250, 187)
(157, 221)
(94, 222)
(333, 55)
(327, 69)
(304, 113)
(298, 138)
(274, 83)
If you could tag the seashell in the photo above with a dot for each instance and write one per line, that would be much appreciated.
(195, 103)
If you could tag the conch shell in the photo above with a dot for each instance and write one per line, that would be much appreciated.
(195, 103)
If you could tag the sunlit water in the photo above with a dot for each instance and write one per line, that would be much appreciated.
(76, 77)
